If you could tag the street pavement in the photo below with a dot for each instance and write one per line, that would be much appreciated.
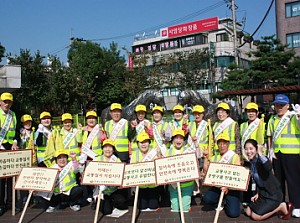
(37, 214)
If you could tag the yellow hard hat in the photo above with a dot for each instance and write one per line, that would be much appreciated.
(60, 152)
(223, 105)
(45, 114)
(108, 142)
(26, 118)
(198, 108)
(158, 108)
(91, 113)
(178, 107)
(142, 137)
(140, 108)
(114, 106)
(66, 116)
(178, 132)
(223, 136)
(252, 105)
(6, 96)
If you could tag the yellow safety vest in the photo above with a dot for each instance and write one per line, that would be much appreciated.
(230, 131)
(203, 142)
(73, 145)
(68, 183)
(10, 135)
(96, 144)
(121, 141)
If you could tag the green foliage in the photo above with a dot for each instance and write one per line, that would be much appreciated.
(274, 65)
(2, 51)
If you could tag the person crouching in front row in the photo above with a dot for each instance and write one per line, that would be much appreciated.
(66, 188)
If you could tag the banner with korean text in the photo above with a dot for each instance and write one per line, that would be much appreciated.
(227, 175)
(177, 168)
(139, 174)
(103, 173)
(12, 162)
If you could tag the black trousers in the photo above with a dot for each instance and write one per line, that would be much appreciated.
(287, 170)
(148, 198)
(6, 183)
(73, 198)
(117, 199)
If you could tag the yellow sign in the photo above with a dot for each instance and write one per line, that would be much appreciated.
(139, 174)
(178, 168)
(103, 173)
(37, 179)
(227, 175)
(12, 162)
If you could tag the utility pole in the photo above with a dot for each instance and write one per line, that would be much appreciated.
(234, 33)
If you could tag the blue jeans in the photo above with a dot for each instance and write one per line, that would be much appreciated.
(232, 201)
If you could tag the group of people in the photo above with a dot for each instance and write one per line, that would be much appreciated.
(264, 148)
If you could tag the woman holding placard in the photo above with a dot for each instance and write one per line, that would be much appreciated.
(149, 194)
(177, 148)
(113, 199)
(268, 199)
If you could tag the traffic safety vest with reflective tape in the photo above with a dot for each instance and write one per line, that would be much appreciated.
(289, 140)
(172, 152)
(42, 149)
(121, 142)
(217, 158)
(96, 144)
(73, 145)
(67, 183)
(203, 142)
(10, 135)
(230, 131)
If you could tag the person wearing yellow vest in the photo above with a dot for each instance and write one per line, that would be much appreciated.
(225, 124)
(177, 148)
(92, 138)
(162, 127)
(198, 137)
(8, 141)
(231, 197)
(141, 124)
(148, 194)
(114, 199)
(180, 120)
(283, 133)
(42, 135)
(66, 188)
(119, 130)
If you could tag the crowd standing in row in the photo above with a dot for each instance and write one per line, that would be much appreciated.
(141, 140)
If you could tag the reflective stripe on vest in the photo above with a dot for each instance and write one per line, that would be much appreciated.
(203, 143)
(96, 144)
(68, 183)
(289, 140)
(230, 131)
(121, 142)
(9, 137)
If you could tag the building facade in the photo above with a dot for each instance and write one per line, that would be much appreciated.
(288, 23)
(214, 34)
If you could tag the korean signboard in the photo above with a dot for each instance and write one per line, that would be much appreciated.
(178, 168)
(139, 174)
(12, 162)
(103, 173)
(227, 175)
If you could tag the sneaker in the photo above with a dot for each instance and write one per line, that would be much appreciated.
(89, 199)
(50, 209)
(172, 210)
(296, 213)
(75, 207)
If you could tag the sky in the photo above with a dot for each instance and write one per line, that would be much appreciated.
(46, 26)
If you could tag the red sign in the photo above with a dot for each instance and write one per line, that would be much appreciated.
(191, 27)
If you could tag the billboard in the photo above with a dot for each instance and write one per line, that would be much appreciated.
(190, 28)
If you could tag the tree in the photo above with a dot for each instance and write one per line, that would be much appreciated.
(274, 65)
(2, 51)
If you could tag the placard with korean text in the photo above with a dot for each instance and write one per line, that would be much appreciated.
(103, 173)
(37, 179)
(179, 168)
(227, 175)
(138, 174)
(12, 162)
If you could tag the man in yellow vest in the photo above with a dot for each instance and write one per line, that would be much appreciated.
(284, 147)
(8, 141)
(119, 130)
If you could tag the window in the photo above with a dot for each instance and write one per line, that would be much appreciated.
(293, 40)
(222, 37)
(292, 9)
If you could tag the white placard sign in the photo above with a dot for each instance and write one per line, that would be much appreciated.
(103, 173)
(12, 162)
(179, 168)
(37, 179)
(227, 175)
(138, 174)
